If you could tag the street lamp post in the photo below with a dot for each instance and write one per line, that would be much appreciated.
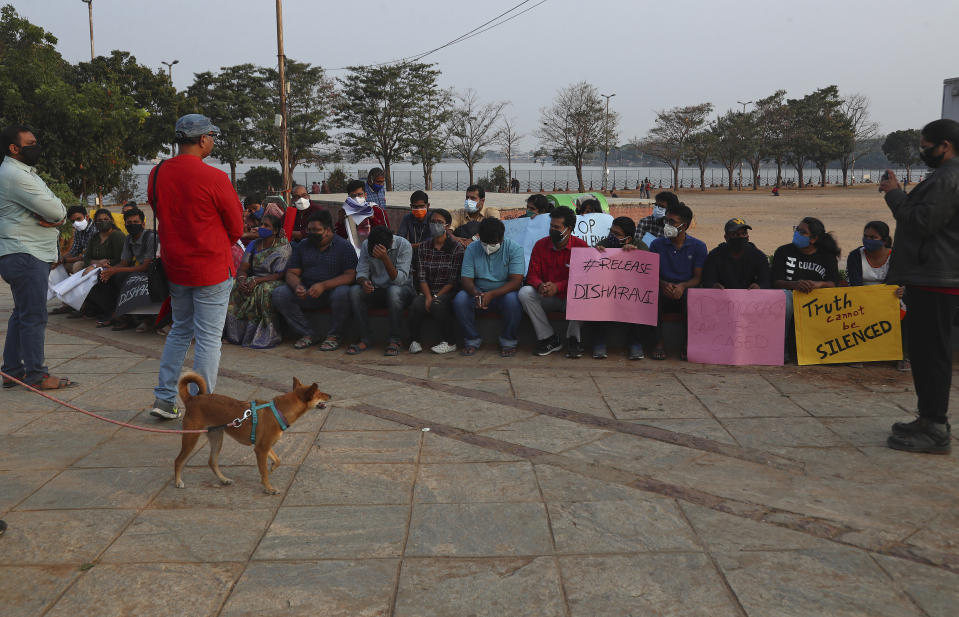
(284, 147)
(740, 161)
(169, 66)
(606, 141)
(89, 4)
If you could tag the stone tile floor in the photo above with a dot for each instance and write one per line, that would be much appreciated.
(543, 487)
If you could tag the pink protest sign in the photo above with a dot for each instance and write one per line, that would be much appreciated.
(736, 326)
(614, 285)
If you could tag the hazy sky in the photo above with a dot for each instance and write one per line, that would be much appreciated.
(652, 55)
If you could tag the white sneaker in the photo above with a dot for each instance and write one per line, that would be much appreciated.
(415, 347)
(443, 347)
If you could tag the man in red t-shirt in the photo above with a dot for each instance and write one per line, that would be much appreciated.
(199, 219)
(546, 280)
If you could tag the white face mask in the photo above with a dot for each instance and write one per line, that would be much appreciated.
(669, 231)
(360, 200)
(491, 248)
(81, 225)
(471, 206)
(302, 203)
(659, 212)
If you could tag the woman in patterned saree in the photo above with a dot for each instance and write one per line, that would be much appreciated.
(250, 319)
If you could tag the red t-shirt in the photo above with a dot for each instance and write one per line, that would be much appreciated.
(547, 265)
(199, 217)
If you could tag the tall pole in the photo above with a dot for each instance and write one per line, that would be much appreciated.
(606, 140)
(169, 66)
(284, 147)
(89, 4)
(740, 161)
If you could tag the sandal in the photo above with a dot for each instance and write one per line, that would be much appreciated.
(330, 343)
(357, 348)
(303, 343)
(658, 354)
(393, 349)
(142, 327)
(9, 383)
(62, 310)
(103, 323)
(49, 382)
(507, 352)
(469, 350)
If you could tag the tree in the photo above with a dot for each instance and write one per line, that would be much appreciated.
(901, 148)
(666, 141)
(471, 128)
(378, 106)
(309, 114)
(729, 135)
(575, 126)
(855, 108)
(752, 134)
(773, 123)
(428, 134)
(509, 139)
(700, 153)
(233, 100)
(819, 131)
(127, 187)
(259, 180)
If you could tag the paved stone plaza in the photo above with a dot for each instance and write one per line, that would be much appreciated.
(543, 487)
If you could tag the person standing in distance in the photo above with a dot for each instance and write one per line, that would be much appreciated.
(200, 218)
(926, 261)
(30, 215)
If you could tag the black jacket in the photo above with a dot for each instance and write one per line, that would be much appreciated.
(927, 230)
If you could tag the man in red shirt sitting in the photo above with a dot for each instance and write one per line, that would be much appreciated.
(199, 218)
(546, 280)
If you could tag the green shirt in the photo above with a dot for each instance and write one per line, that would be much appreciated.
(23, 198)
(111, 249)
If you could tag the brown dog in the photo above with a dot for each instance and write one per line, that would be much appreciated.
(206, 410)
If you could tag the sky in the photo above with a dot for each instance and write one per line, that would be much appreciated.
(651, 55)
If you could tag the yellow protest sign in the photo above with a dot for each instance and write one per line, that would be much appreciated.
(847, 324)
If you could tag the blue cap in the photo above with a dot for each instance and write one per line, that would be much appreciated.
(194, 125)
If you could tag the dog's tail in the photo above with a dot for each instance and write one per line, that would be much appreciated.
(185, 382)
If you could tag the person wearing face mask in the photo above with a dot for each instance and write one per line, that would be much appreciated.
(318, 275)
(546, 280)
(436, 276)
(809, 262)
(537, 204)
(466, 220)
(375, 187)
(251, 320)
(681, 260)
(415, 225)
(304, 210)
(736, 263)
(83, 230)
(926, 261)
(29, 215)
(106, 246)
(252, 213)
(492, 274)
(654, 223)
(358, 216)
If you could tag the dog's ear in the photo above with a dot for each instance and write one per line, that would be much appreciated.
(296, 384)
(310, 393)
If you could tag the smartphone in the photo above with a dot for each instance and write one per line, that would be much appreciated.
(884, 176)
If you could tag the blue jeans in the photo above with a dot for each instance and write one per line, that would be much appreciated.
(198, 314)
(23, 348)
(394, 297)
(291, 308)
(508, 306)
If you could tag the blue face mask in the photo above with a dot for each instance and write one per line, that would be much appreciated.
(264, 232)
(871, 244)
(800, 241)
(259, 213)
(376, 187)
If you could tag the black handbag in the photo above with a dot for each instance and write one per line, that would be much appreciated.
(156, 277)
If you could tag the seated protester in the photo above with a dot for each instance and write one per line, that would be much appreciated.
(415, 225)
(72, 262)
(251, 320)
(809, 262)
(375, 187)
(305, 209)
(537, 204)
(139, 249)
(104, 249)
(869, 265)
(252, 213)
(492, 273)
(319, 274)
(681, 259)
(546, 280)
(357, 217)
(736, 263)
(589, 205)
(436, 275)
(654, 223)
(383, 280)
(621, 236)
(466, 220)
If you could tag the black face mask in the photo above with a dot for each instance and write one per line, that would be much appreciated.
(931, 161)
(315, 238)
(30, 154)
(134, 229)
(737, 245)
(557, 236)
(104, 226)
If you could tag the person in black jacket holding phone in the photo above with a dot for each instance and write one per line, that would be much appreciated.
(926, 261)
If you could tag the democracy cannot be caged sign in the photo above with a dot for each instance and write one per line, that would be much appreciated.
(847, 324)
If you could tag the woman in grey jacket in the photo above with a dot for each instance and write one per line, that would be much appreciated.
(926, 261)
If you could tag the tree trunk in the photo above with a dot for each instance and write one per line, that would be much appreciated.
(779, 172)
(579, 177)
(386, 171)
(755, 169)
(509, 167)
(822, 176)
(233, 173)
(845, 174)
(702, 177)
(731, 171)
(799, 169)
(908, 174)
(427, 176)
(469, 167)
(675, 175)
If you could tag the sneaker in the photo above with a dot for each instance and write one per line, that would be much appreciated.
(905, 429)
(928, 438)
(599, 352)
(415, 347)
(164, 410)
(548, 346)
(636, 352)
(443, 347)
(573, 348)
